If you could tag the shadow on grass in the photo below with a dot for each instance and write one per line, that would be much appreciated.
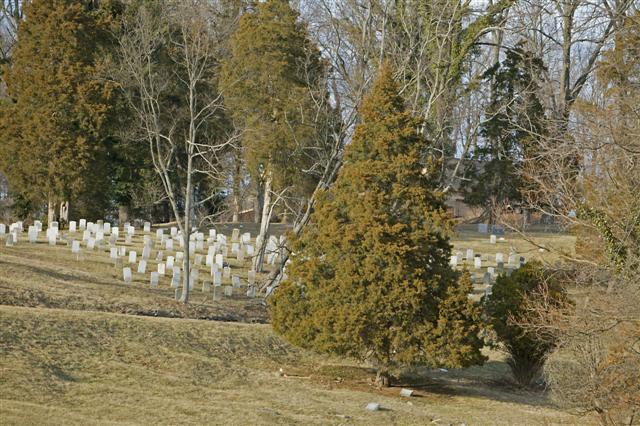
(467, 384)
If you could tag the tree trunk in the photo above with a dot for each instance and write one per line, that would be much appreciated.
(184, 298)
(261, 238)
(51, 211)
(383, 379)
(64, 214)
(236, 188)
(258, 203)
(123, 214)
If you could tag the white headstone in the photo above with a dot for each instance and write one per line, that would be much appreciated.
(169, 244)
(106, 228)
(113, 253)
(219, 261)
(170, 260)
(133, 256)
(126, 274)
(499, 257)
(179, 256)
(9, 241)
(73, 226)
(161, 269)
(492, 239)
(235, 281)
(175, 281)
(147, 227)
(251, 291)
(75, 247)
(477, 262)
(217, 279)
(142, 267)
(226, 272)
(155, 278)
(469, 255)
(454, 261)
(174, 231)
(3, 229)
(122, 251)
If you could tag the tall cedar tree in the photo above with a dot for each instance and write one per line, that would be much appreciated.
(514, 115)
(370, 276)
(52, 146)
(268, 81)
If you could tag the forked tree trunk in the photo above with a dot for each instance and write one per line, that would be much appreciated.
(64, 213)
(261, 242)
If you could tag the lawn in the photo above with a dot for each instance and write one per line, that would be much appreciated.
(79, 346)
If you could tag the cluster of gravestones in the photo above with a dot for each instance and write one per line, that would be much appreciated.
(478, 261)
(163, 241)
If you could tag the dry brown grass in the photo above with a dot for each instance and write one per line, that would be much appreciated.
(79, 366)
(75, 367)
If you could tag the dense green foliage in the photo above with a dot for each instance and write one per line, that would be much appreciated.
(507, 305)
(513, 117)
(370, 276)
(54, 140)
(270, 80)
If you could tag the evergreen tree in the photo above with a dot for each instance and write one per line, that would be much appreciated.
(269, 79)
(514, 116)
(370, 276)
(54, 148)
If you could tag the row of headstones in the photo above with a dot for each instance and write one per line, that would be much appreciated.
(477, 259)
(194, 276)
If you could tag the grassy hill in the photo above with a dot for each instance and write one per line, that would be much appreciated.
(78, 346)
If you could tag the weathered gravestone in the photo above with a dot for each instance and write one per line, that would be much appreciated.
(155, 278)
(477, 262)
(161, 268)
(73, 226)
(126, 274)
(469, 255)
(133, 256)
(142, 267)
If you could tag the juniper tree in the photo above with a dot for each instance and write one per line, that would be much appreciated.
(370, 276)
(269, 82)
(53, 125)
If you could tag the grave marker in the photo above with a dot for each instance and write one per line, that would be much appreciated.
(133, 256)
(161, 269)
(155, 278)
(126, 274)
(142, 267)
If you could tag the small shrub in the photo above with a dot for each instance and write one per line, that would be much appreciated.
(506, 308)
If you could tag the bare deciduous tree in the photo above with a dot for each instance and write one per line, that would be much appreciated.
(177, 104)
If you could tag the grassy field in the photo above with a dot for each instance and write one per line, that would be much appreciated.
(81, 347)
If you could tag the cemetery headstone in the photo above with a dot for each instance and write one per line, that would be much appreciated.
(142, 267)
(161, 268)
(133, 256)
(126, 274)
(228, 291)
(155, 278)
(492, 239)
(477, 262)
(235, 281)
(469, 255)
